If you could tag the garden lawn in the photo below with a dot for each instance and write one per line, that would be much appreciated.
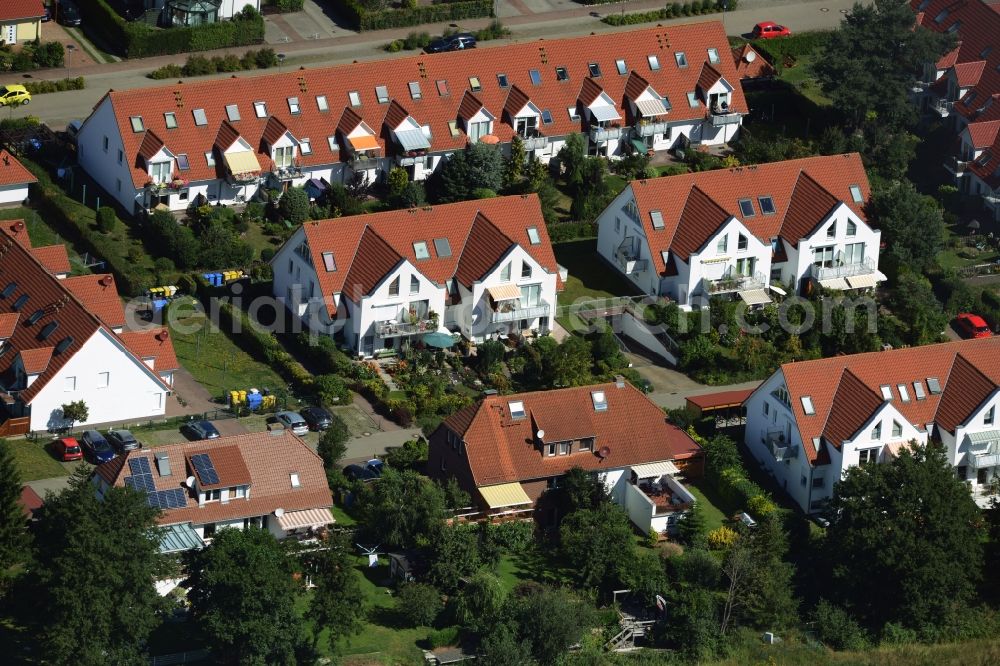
(216, 362)
(801, 77)
(34, 460)
(712, 507)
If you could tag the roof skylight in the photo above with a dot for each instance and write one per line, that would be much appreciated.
(746, 208)
(442, 87)
(137, 124)
(170, 118)
(886, 392)
(681, 59)
(713, 55)
(934, 385)
(260, 109)
(502, 81)
(516, 409)
(415, 90)
(200, 118)
(620, 66)
(475, 84)
(442, 247)
(293, 105)
(420, 250)
(654, 62)
(807, 405)
(595, 70)
(766, 205)
(656, 217)
(562, 74)
(233, 112)
(329, 263)
(321, 103)
(600, 401)
(536, 77)
(382, 94)
(354, 97)
(533, 236)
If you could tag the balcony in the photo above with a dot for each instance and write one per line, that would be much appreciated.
(363, 162)
(991, 199)
(518, 313)
(602, 134)
(942, 107)
(396, 329)
(721, 119)
(628, 260)
(645, 129)
(983, 460)
(735, 283)
(781, 449)
(289, 172)
(411, 157)
(956, 166)
(535, 142)
(866, 267)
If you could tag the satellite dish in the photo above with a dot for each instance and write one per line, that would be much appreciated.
(604, 451)
(279, 512)
(750, 56)
(540, 434)
(189, 482)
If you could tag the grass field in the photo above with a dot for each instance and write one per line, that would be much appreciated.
(713, 508)
(801, 77)
(588, 279)
(34, 460)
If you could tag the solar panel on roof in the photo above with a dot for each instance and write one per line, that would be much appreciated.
(206, 470)
(173, 498)
(143, 482)
(139, 466)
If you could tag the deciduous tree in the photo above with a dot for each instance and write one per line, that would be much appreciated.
(337, 604)
(402, 509)
(598, 545)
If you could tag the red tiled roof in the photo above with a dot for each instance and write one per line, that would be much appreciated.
(152, 344)
(485, 247)
(226, 137)
(228, 463)
(809, 204)
(274, 129)
(30, 501)
(268, 458)
(13, 172)
(17, 230)
(99, 294)
(984, 134)
(53, 257)
(853, 405)
(151, 144)
(968, 73)
(725, 187)
(501, 449)
(894, 367)
(700, 218)
(755, 68)
(636, 85)
(719, 399)
(394, 115)
(21, 9)
(8, 321)
(589, 91)
(432, 109)
(36, 360)
(970, 389)
(470, 106)
(401, 228)
(709, 77)
(375, 258)
(516, 100)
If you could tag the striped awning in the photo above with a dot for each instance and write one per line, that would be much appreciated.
(984, 436)
(650, 108)
(862, 281)
(363, 142)
(604, 113)
(655, 470)
(412, 139)
(181, 537)
(755, 296)
(291, 520)
(505, 292)
(834, 283)
(504, 495)
(243, 161)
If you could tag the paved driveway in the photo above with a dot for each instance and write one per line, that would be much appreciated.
(671, 388)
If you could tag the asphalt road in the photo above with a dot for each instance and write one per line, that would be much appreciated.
(57, 109)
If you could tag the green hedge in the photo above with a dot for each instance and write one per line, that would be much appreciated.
(673, 10)
(799, 44)
(41, 87)
(361, 19)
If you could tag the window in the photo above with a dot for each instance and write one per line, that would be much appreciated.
(331, 141)
(856, 194)
(877, 431)
(159, 172)
(502, 81)
(118, 183)
(886, 392)
(681, 59)
(394, 287)
(656, 218)
(232, 112)
(420, 250)
(170, 118)
(474, 84)
(933, 385)
(713, 56)
(260, 109)
(988, 417)
(831, 231)
(103, 379)
(852, 229)
(516, 409)
(414, 284)
(565, 448)
(954, 27)
(741, 243)
(600, 401)
(321, 103)
(818, 482)
(807, 405)
(897, 429)
(562, 74)
(137, 125)
(904, 394)
(587, 444)
(618, 224)
(620, 66)
(535, 76)
(823, 256)
(283, 157)
(767, 408)
(546, 117)
(746, 208)
(941, 16)
(722, 245)
(329, 263)
(531, 295)
(478, 130)
(745, 266)
(854, 253)
(209, 159)
(866, 456)
(305, 146)
(105, 144)
(550, 450)
(692, 100)
(525, 270)
(382, 94)
(354, 97)
(121, 156)
(183, 163)
(766, 205)
(573, 113)
(595, 70)
(293, 105)
(442, 247)
(69, 384)
(918, 390)
(654, 62)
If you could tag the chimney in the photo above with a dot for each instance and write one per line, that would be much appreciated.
(162, 463)
(18, 226)
(106, 281)
(619, 381)
(162, 335)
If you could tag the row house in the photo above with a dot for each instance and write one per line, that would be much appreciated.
(796, 225)
(223, 141)
(378, 281)
(268, 480)
(964, 86)
(507, 451)
(62, 339)
(811, 421)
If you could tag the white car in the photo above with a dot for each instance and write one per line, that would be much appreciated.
(293, 421)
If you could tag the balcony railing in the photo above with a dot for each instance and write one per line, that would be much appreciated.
(942, 106)
(395, 329)
(601, 134)
(991, 199)
(288, 172)
(866, 267)
(517, 313)
(362, 163)
(956, 166)
(720, 119)
(983, 460)
(649, 129)
(535, 142)
(628, 262)
(737, 283)
(780, 448)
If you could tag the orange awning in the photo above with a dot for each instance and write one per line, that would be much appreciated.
(489, 139)
(363, 142)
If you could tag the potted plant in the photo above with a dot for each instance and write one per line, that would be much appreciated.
(433, 318)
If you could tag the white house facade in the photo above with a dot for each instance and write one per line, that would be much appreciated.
(14, 180)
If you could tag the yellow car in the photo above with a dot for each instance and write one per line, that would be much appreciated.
(14, 95)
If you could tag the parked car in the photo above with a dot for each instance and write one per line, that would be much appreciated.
(360, 473)
(770, 30)
(14, 95)
(68, 13)
(47, 16)
(123, 441)
(293, 421)
(317, 418)
(457, 42)
(67, 449)
(97, 446)
(375, 465)
(198, 430)
(971, 325)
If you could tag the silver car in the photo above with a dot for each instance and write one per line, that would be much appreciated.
(293, 421)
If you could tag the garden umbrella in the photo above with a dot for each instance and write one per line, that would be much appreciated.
(439, 339)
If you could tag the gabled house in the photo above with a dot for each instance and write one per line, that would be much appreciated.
(811, 421)
(480, 268)
(507, 451)
(60, 342)
(221, 141)
(270, 480)
(14, 180)
(798, 224)
(20, 21)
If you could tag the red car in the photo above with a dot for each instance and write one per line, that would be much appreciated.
(67, 449)
(971, 326)
(769, 30)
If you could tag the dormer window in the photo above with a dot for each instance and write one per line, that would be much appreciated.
(293, 105)
(600, 401)
(382, 94)
(260, 109)
(516, 409)
(137, 124)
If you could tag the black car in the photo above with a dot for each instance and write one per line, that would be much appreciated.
(457, 42)
(198, 430)
(316, 418)
(67, 13)
(123, 440)
(96, 447)
(361, 473)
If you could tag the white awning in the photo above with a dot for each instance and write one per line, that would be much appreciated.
(291, 520)
(412, 139)
(651, 107)
(504, 495)
(604, 113)
(505, 292)
(862, 281)
(242, 161)
(834, 283)
(754, 296)
(777, 290)
(655, 470)
(985, 436)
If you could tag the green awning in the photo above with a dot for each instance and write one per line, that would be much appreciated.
(181, 537)
(640, 146)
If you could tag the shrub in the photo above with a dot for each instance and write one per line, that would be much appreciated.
(267, 254)
(419, 604)
(395, 46)
(42, 87)
(837, 628)
(170, 71)
(686, 9)
(761, 506)
(285, 6)
(362, 17)
(331, 390)
(106, 219)
(722, 538)
(443, 637)
(265, 58)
